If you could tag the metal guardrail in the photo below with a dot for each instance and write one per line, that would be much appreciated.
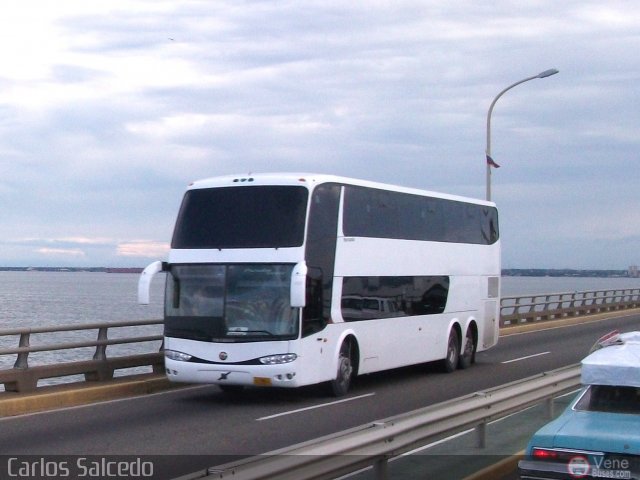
(553, 306)
(376, 443)
(24, 378)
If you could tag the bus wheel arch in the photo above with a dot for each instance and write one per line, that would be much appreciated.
(346, 367)
(452, 356)
(469, 346)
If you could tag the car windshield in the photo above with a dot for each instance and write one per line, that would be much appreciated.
(247, 302)
(612, 399)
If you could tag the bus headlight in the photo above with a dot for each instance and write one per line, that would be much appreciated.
(277, 359)
(177, 356)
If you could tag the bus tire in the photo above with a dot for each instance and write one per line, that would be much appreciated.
(450, 362)
(468, 354)
(340, 385)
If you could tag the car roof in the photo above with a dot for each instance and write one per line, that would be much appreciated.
(616, 361)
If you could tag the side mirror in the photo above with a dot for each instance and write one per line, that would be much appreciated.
(144, 282)
(299, 285)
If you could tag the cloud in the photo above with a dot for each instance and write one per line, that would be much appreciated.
(64, 252)
(81, 251)
(72, 243)
(143, 249)
(109, 109)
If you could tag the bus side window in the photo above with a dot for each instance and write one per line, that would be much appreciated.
(312, 319)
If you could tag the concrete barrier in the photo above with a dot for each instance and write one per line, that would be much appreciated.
(520, 309)
(24, 377)
(69, 395)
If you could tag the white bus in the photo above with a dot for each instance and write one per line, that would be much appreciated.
(288, 280)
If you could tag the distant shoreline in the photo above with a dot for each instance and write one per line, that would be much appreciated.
(73, 269)
(563, 272)
(507, 272)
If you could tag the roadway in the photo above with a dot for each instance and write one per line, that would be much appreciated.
(195, 427)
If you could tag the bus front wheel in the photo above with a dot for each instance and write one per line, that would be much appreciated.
(340, 386)
(450, 362)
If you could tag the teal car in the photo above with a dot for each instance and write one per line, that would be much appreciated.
(598, 435)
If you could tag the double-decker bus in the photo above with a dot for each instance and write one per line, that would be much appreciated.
(287, 280)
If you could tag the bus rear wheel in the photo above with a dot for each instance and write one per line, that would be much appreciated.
(468, 354)
(340, 385)
(450, 362)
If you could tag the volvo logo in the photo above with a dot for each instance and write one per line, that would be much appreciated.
(223, 376)
(223, 355)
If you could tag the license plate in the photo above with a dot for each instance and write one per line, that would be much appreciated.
(262, 381)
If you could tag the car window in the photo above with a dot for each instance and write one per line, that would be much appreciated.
(613, 399)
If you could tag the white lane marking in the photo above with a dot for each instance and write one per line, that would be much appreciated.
(434, 444)
(313, 407)
(527, 357)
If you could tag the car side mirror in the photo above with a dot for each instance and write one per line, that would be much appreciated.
(144, 282)
(299, 285)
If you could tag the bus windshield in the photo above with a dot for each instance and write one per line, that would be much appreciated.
(230, 303)
(261, 216)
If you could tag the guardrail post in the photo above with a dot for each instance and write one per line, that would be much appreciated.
(600, 301)
(481, 435)
(550, 408)
(590, 302)
(103, 371)
(571, 309)
(101, 348)
(26, 381)
(158, 367)
(23, 357)
(580, 303)
(544, 313)
(380, 469)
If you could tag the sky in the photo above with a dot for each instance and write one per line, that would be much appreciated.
(108, 109)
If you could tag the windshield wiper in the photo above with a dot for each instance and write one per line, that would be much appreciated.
(248, 332)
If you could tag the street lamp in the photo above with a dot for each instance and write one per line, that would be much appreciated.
(490, 162)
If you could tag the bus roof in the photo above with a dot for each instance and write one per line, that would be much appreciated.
(312, 179)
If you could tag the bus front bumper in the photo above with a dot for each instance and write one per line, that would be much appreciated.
(281, 375)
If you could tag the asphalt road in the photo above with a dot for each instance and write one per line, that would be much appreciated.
(201, 426)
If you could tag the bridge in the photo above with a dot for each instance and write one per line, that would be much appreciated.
(184, 431)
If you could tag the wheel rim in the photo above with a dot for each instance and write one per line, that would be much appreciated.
(453, 349)
(345, 370)
(468, 346)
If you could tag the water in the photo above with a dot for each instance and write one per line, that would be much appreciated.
(44, 299)
(29, 299)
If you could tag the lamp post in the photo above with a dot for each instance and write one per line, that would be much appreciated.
(490, 162)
